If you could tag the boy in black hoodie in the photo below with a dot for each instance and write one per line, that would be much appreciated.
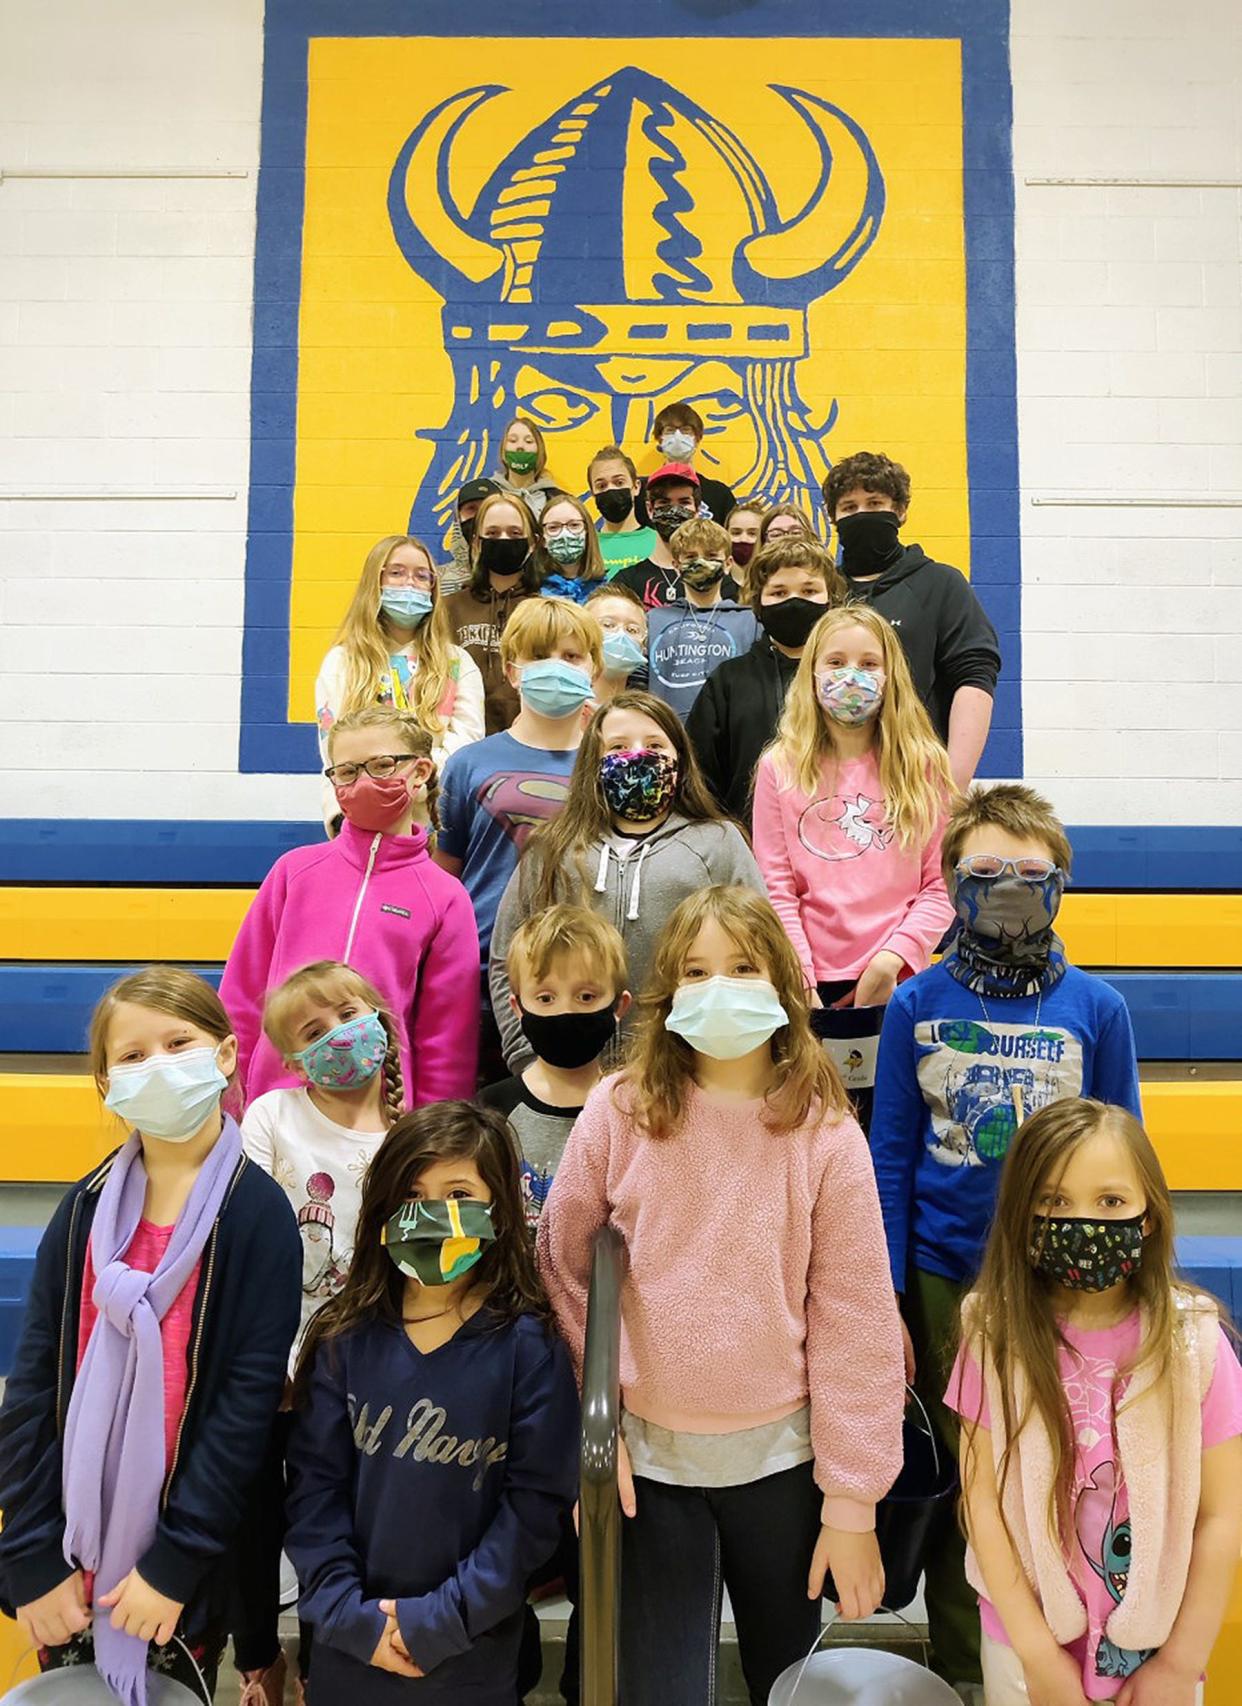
(950, 645)
(792, 582)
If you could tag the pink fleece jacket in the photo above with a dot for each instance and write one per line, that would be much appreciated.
(756, 1280)
(842, 884)
(378, 903)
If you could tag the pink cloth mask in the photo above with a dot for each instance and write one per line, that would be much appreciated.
(375, 802)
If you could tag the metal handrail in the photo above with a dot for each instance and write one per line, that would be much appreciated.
(598, 1511)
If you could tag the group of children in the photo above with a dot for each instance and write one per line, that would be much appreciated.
(600, 966)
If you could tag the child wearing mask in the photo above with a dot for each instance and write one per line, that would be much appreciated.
(434, 1453)
(152, 1357)
(565, 969)
(677, 433)
(726, 1157)
(1101, 1412)
(1002, 1026)
(850, 802)
(503, 572)
(736, 713)
(568, 556)
(784, 521)
(742, 524)
(673, 497)
(523, 470)
(949, 641)
(456, 572)
(623, 622)
(395, 647)
(694, 633)
(373, 899)
(638, 833)
(613, 480)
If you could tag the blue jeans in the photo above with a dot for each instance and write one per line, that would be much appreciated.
(687, 1543)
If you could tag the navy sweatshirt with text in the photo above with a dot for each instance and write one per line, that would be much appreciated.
(437, 1480)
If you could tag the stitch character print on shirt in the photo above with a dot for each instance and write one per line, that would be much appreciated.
(1106, 1551)
(841, 828)
(974, 1074)
(521, 800)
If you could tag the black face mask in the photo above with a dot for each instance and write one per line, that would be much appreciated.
(790, 622)
(615, 503)
(503, 556)
(869, 541)
(466, 529)
(569, 1040)
(1087, 1255)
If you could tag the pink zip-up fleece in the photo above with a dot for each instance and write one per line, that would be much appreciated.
(841, 883)
(379, 904)
(757, 1279)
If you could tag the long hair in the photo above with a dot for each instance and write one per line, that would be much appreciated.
(552, 868)
(592, 565)
(541, 447)
(914, 767)
(661, 1065)
(1012, 1321)
(480, 583)
(368, 642)
(328, 982)
(374, 1289)
(409, 735)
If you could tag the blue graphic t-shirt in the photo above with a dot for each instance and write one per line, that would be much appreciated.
(954, 1081)
(493, 793)
(685, 644)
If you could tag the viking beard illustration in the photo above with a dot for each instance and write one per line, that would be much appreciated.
(588, 298)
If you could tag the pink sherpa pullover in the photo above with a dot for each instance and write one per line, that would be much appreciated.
(756, 1279)
(842, 884)
(379, 904)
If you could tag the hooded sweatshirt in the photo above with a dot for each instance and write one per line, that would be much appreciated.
(534, 496)
(377, 903)
(735, 717)
(635, 884)
(948, 639)
(685, 643)
(478, 622)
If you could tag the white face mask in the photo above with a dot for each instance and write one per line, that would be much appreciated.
(167, 1095)
(726, 1017)
(678, 446)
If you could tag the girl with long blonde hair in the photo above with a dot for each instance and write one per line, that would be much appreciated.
(1101, 1407)
(726, 1158)
(396, 647)
(850, 804)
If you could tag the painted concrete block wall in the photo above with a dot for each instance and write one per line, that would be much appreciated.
(125, 332)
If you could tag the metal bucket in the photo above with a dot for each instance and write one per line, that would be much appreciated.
(859, 1676)
(82, 1685)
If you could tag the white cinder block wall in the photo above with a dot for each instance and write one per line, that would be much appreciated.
(124, 370)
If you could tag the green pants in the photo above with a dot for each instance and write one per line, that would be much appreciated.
(931, 1309)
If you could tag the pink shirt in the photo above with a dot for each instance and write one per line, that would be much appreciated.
(842, 884)
(1099, 1553)
(146, 1250)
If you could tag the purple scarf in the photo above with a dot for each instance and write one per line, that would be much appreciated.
(114, 1465)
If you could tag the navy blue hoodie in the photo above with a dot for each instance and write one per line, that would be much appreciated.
(439, 1480)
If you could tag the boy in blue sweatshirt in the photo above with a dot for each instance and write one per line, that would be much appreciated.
(971, 1047)
(704, 624)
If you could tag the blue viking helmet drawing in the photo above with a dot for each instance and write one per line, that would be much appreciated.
(626, 253)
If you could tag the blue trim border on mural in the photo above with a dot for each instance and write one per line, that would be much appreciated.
(269, 743)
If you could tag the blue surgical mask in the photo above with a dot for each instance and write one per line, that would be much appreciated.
(622, 652)
(167, 1095)
(678, 446)
(554, 688)
(567, 547)
(726, 1017)
(407, 606)
(347, 1056)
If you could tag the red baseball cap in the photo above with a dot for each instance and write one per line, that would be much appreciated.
(674, 471)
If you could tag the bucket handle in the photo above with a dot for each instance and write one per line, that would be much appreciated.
(928, 1429)
(835, 1617)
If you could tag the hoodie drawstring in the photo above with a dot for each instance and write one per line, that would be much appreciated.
(635, 886)
(362, 895)
(601, 877)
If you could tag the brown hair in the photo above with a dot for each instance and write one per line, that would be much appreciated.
(611, 590)
(541, 448)
(699, 537)
(611, 453)
(677, 415)
(775, 513)
(413, 737)
(163, 989)
(793, 554)
(752, 506)
(1010, 806)
(562, 933)
(540, 624)
(591, 566)
(325, 982)
(480, 582)
(871, 470)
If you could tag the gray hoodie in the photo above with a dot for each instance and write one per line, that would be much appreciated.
(635, 885)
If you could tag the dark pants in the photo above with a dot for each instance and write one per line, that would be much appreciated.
(562, 1566)
(931, 1307)
(254, 1613)
(687, 1543)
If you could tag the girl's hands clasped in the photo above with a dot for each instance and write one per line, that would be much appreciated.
(391, 1652)
(58, 1615)
(1053, 1677)
(854, 1560)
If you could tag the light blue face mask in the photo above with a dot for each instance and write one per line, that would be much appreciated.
(622, 652)
(726, 1017)
(407, 606)
(554, 688)
(678, 446)
(167, 1095)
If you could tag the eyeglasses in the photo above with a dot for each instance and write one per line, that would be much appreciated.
(992, 865)
(554, 529)
(387, 764)
(399, 575)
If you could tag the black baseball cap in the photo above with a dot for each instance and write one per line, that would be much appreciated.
(474, 491)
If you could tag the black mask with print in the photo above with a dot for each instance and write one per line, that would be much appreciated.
(1087, 1255)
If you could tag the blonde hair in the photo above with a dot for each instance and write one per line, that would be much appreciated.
(364, 639)
(163, 989)
(413, 737)
(562, 933)
(593, 564)
(539, 625)
(913, 764)
(660, 1071)
(699, 537)
(326, 981)
(1010, 806)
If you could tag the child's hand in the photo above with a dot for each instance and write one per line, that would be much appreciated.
(1158, 1683)
(138, 1610)
(854, 1560)
(58, 1615)
(1054, 1678)
(907, 1352)
(391, 1652)
(625, 1479)
(879, 979)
